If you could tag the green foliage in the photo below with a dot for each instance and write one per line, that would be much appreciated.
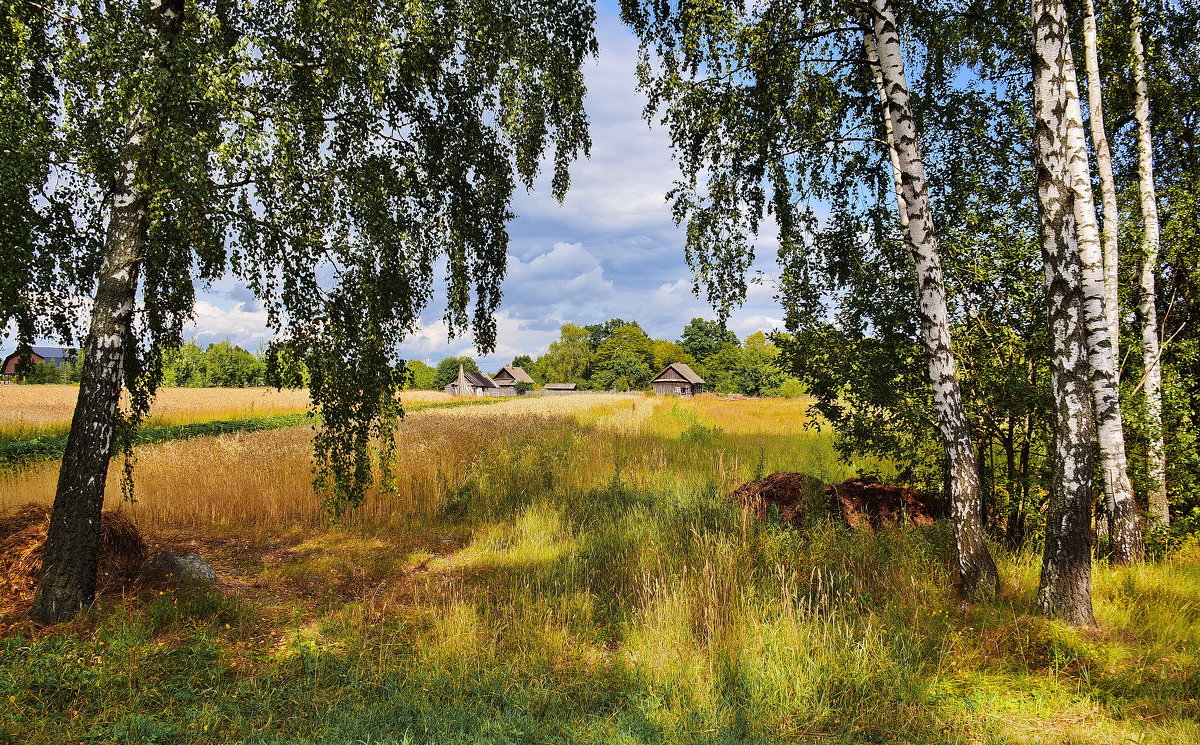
(569, 359)
(523, 361)
(447, 370)
(624, 360)
(226, 365)
(43, 372)
(598, 332)
(702, 338)
(666, 352)
(423, 377)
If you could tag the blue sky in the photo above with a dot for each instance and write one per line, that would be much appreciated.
(609, 250)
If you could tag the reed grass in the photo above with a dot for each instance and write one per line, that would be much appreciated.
(570, 571)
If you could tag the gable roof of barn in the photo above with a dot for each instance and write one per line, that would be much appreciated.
(516, 374)
(683, 374)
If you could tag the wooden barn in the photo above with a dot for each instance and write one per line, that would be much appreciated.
(56, 356)
(472, 384)
(557, 389)
(508, 378)
(678, 380)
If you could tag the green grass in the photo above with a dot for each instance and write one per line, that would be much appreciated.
(630, 605)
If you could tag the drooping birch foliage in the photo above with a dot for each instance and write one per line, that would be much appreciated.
(331, 155)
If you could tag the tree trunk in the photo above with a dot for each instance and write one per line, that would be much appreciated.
(1155, 458)
(1126, 535)
(977, 571)
(1065, 587)
(69, 561)
(1110, 229)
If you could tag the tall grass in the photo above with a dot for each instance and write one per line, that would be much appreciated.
(577, 575)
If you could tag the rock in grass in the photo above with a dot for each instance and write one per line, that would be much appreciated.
(168, 568)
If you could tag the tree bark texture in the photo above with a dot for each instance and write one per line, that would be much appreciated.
(1110, 227)
(1124, 531)
(1156, 464)
(1065, 588)
(69, 561)
(976, 569)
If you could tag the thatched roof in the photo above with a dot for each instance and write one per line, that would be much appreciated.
(514, 373)
(677, 372)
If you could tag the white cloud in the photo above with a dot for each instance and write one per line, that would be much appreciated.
(213, 323)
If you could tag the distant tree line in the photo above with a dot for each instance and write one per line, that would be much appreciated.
(620, 355)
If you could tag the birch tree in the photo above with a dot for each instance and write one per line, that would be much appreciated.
(1124, 531)
(975, 565)
(1147, 291)
(1110, 227)
(327, 154)
(1065, 588)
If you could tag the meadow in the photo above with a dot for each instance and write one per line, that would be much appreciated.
(570, 570)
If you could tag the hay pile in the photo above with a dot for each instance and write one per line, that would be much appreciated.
(862, 504)
(23, 536)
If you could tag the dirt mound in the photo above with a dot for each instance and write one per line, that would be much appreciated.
(797, 496)
(863, 504)
(23, 536)
(866, 504)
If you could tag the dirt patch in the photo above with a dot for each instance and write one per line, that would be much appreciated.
(863, 504)
(23, 537)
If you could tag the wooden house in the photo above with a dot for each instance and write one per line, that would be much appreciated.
(558, 389)
(57, 356)
(508, 378)
(472, 384)
(678, 380)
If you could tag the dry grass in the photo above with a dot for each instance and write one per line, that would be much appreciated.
(28, 411)
(264, 478)
(23, 536)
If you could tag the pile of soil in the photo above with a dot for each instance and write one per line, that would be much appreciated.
(867, 504)
(23, 537)
(863, 504)
(797, 496)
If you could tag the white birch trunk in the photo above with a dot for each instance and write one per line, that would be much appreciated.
(977, 571)
(1151, 353)
(1110, 228)
(1124, 530)
(1064, 591)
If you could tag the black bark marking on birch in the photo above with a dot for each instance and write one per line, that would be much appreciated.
(977, 571)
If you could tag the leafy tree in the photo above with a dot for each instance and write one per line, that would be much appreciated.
(623, 360)
(423, 377)
(327, 154)
(447, 370)
(523, 361)
(701, 338)
(568, 359)
(184, 367)
(227, 365)
(42, 372)
(666, 352)
(598, 332)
